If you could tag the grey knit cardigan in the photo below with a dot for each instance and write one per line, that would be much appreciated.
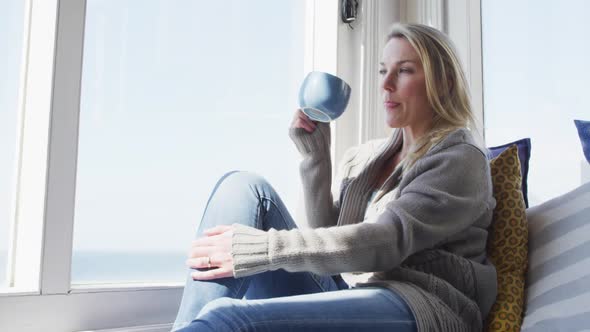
(428, 244)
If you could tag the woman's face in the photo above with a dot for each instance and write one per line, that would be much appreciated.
(403, 87)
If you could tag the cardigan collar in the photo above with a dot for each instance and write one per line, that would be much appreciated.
(357, 194)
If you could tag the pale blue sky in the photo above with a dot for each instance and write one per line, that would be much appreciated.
(536, 79)
(11, 24)
(176, 93)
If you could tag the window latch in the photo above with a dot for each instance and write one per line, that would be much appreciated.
(349, 10)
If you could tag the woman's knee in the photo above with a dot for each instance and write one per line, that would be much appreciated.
(217, 315)
(239, 180)
(222, 311)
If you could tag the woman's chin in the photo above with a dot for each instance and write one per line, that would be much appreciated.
(393, 123)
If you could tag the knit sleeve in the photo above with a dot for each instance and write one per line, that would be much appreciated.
(449, 191)
(316, 175)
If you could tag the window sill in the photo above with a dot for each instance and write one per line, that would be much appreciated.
(145, 328)
(125, 287)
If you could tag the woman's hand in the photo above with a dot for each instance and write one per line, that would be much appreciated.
(212, 252)
(300, 120)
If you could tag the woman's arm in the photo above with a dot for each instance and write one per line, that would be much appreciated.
(447, 196)
(316, 171)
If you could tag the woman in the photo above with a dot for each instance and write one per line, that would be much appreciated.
(407, 231)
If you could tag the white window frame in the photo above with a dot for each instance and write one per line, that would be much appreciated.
(359, 50)
(462, 22)
(41, 297)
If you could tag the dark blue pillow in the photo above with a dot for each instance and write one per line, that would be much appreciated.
(524, 154)
(584, 132)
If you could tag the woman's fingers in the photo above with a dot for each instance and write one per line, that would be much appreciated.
(303, 117)
(298, 115)
(300, 120)
(200, 251)
(216, 265)
(209, 261)
(307, 127)
(214, 237)
(221, 272)
(212, 252)
(205, 246)
(198, 263)
(203, 241)
(217, 230)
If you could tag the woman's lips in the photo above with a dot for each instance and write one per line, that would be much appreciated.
(390, 104)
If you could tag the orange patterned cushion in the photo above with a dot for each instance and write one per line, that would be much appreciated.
(507, 242)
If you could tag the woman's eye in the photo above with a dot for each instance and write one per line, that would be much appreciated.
(405, 70)
(382, 71)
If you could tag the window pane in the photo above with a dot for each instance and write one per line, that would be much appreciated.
(536, 69)
(11, 34)
(174, 95)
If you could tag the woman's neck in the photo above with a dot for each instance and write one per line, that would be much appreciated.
(410, 136)
(419, 127)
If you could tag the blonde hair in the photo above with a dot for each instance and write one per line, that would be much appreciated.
(446, 86)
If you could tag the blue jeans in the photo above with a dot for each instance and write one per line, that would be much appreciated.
(279, 300)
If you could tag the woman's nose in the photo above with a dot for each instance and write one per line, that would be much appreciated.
(388, 83)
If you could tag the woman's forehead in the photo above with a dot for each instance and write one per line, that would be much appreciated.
(399, 50)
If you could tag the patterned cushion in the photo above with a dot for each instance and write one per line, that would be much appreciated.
(558, 280)
(524, 154)
(507, 242)
(584, 132)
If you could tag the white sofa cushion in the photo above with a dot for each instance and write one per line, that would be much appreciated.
(557, 295)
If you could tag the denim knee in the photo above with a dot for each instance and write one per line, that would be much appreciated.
(239, 180)
(220, 304)
(223, 311)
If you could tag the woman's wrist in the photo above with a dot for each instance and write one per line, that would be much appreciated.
(316, 142)
(249, 251)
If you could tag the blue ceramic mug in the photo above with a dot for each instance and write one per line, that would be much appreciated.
(323, 97)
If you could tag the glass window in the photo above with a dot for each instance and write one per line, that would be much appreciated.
(536, 69)
(174, 95)
(11, 34)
